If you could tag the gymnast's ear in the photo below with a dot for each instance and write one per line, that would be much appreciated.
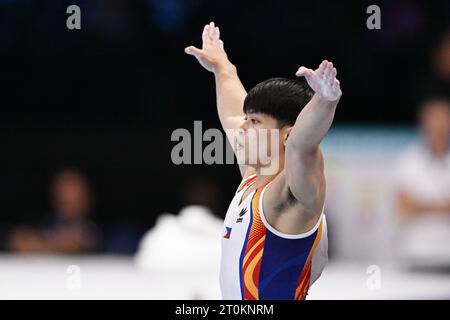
(286, 131)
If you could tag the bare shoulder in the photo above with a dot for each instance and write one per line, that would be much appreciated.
(283, 211)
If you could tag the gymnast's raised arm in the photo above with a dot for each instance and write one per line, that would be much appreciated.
(229, 90)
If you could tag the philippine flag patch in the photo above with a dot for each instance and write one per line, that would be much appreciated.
(228, 233)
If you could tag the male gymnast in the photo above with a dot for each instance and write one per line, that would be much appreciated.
(275, 236)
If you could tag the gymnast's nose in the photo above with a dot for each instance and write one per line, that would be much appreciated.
(245, 124)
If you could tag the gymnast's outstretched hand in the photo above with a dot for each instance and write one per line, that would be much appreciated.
(212, 55)
(322, 80)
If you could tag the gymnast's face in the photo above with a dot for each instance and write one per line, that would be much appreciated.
(260, 140)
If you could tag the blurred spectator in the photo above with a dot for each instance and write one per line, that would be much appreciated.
(202, 191)
(68, 229)
(423, 185)
(441, 59)
(436, 80)
(188, 244)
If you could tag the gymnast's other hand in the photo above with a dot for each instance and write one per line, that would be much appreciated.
(212, 55)
(322, 80)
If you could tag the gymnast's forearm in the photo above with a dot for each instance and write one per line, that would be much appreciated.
(312, 124)
(230, 95)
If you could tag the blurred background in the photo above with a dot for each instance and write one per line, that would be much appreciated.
(86, 117)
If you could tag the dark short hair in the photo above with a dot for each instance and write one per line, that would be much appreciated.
(432, 100)
(281, 98)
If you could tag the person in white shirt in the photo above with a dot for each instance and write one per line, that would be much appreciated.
(423, 190)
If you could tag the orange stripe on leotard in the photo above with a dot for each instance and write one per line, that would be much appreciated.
(254, 250)
(246, 182)
(304, 279)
